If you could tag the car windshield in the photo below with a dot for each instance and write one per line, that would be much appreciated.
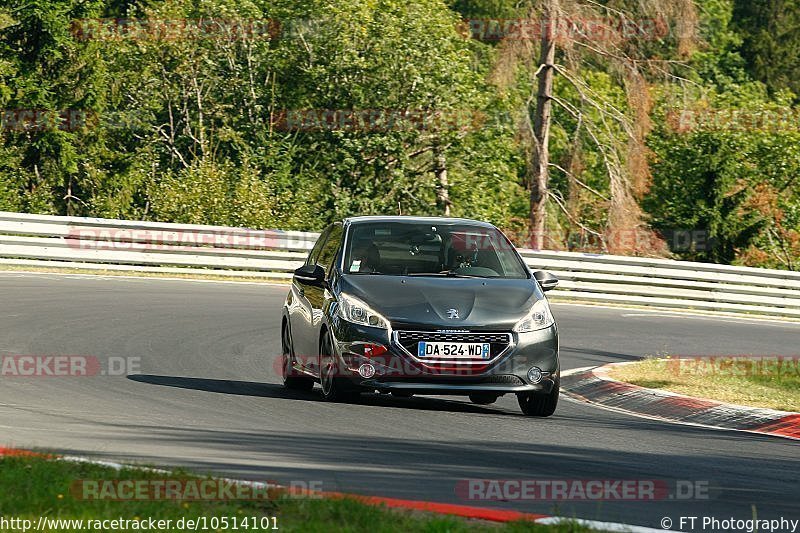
(431, 249)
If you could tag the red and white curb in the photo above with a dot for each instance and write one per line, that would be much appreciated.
(593, 385)
(463, 511)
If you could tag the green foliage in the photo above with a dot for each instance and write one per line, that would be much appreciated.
(192, 126)
(771, 41)
(487, 9)
(725, 178)
(736, 183)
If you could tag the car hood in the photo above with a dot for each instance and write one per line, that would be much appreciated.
(489, 304)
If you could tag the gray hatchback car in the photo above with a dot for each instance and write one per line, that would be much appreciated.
(416, 305)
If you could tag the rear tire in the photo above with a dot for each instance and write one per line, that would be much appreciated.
(483, 398)
(334, 388)
(538, 404)
(292, 379)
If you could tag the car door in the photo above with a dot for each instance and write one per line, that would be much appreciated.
(316, 294)
(300, 314)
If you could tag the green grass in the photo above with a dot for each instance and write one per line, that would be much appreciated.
(31, 487)
(753, 382)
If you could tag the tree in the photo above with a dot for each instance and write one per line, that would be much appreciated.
(49, 86)
(621, 47)
(402, 71)
(540, 165)
(771, 41)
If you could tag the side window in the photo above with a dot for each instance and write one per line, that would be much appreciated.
(312, 257)
(329, 251)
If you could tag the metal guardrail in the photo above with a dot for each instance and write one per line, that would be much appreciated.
(105, 244)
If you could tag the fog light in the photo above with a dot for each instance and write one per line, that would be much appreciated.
(534, 374)
(366, 371)
(374, 350)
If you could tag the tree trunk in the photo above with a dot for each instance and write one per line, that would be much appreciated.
(541, 125)
(442, 184)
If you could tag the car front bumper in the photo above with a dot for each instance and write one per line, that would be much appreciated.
(395, 369)
(435, 387)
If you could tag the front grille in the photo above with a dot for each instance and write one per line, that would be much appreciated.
(498, 341)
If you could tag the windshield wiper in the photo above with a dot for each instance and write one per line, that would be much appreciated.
(445, 273)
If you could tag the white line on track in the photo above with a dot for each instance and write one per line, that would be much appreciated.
(600, 526)
(710, 315)
(567, 396)
(640, 313)
(656, 313)
(571, 371)
(759, 321)
(45, 275)
(613, 527)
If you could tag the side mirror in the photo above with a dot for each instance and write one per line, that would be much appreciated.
(546, 280)
(310, 275)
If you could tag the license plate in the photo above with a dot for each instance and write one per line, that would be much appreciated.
(454, 350)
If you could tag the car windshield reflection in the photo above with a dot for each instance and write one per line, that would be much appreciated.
(442, 250)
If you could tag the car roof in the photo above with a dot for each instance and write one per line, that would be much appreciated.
(410, 219)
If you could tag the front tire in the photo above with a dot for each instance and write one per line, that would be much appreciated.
(291, 378)
(538, 404)
(334, 387)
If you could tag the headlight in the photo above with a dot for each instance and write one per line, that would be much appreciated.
(539, 317)
(354, 310)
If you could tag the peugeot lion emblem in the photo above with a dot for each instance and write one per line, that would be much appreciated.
(452, 314)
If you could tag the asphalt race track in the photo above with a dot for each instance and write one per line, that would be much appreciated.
(208, 398)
